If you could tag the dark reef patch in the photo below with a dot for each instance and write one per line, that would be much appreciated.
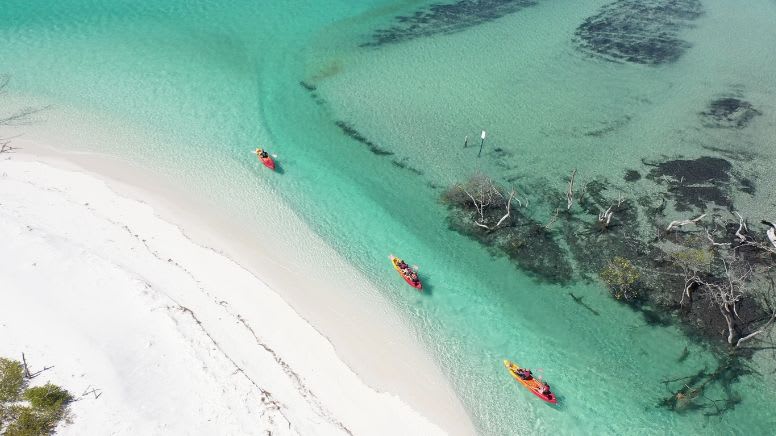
(441, 18)
(608, 127)
(638, 31)
(404, 164)
(632, 176)
(695, 182)
(746, 185)
(356, 135)
(728, 113)
(307, 86)
(525, 241)
(312, 90)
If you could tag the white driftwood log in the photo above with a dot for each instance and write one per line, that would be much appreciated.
(684, 222)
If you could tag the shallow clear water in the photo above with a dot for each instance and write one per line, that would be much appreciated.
(191, 87)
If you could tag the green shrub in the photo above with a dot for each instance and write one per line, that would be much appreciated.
(621, 276)
(11, 380)
(47, 396)
(31, 422)
(45, 405)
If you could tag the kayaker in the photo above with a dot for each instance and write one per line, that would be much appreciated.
(545, 389)
(524, 373)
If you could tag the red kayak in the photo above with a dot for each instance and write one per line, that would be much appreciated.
(407, 277)
(267, 161)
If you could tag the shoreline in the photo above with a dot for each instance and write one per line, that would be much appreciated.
(384, 357)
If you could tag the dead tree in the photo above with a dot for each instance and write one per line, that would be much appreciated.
(741, 227)
(485, 196)
(552, 219)
(5, 146)
(771, 232)
(605, 217)
(726, 295)
(570, 191)
(27, 373)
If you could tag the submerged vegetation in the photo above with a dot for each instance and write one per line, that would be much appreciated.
(25, 410)
(621, 277)
(638, 31)
(483, 210)
(729, 113)
(711, 272)
(696, 392)
(445, 18)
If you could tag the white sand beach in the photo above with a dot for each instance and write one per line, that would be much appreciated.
(176, 336)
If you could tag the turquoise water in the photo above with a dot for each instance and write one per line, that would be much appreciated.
(214, 80)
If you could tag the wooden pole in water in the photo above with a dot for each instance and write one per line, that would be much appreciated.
(482, 135)
(465, 141)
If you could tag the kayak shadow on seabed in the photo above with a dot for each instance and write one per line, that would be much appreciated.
(427, 288)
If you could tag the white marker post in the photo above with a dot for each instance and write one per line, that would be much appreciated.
(483, 135)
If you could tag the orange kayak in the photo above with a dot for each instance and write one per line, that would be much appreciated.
(530, 383)
(417, 285)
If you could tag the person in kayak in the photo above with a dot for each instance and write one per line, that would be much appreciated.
(263, 154)
(524, 373)
(544, 389)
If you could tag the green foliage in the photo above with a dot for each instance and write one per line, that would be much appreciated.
(47, 396)
(621, 276)
(694, 259)
(11, 380)
(24, 411)
(28, 422)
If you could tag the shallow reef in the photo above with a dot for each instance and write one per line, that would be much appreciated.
(728, 113)
(523, 240)
(445, 18)
(638, 31)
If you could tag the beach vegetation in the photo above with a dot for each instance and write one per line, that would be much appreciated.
(11, 380)
(29, 411)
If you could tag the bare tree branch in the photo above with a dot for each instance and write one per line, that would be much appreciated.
(684, 222)
(485, 195)
(509, 208)
(21, 116)
(605, 217)
(552, 219)
(741, 226)
(771, 233)
(716, 244)
(760, 330)
(570, 191)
